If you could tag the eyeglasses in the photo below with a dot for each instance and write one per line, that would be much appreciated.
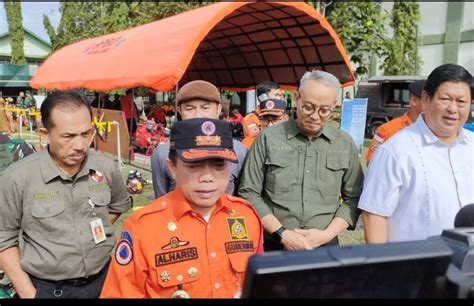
(323, 112)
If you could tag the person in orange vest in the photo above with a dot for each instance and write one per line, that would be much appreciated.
(194, 241)
(251, 123)
(272, 111)
(388, 129)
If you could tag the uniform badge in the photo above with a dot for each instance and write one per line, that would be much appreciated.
(254, 128)
(96, 176)
(208, 127)
(237, 229)
(123, 253)
(174, 243)
(180, 294)
(171, 226)
(192, 272)
(125, 235)
(379, 137)
(165, 276)
(269, 104)
(208, 141)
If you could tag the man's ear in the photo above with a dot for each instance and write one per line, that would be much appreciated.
(44, 133)
(178, 109)
(172, 168)
(219, 109)
(425, 99)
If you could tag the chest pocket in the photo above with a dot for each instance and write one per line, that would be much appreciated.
(238, 261)
(48, 216)
(336, 167)
(279, 175)
(101, 199)
(184, 273)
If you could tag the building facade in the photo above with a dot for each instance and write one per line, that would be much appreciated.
(15, 78)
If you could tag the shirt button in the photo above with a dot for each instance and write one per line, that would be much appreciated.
(217, 285)
(163, 203)
(179, 277)
(208, 226)
(307, 171)
(80, 232)
(213, 254)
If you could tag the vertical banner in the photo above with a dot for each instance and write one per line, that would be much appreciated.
(353, 116)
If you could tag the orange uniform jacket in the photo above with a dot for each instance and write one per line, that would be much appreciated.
(166, 246)
(387, 130)
(251, 126)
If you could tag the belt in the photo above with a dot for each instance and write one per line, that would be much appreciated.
(76, 282)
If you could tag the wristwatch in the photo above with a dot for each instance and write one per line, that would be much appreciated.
(278, 234)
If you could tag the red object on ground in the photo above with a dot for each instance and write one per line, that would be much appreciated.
(149, 135)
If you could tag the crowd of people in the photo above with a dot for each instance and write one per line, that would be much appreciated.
(293, 183)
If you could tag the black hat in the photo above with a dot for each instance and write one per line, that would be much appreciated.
(274, 107)
(417, 87)
(202, 138)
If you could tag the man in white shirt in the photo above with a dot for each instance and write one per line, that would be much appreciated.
(421, 177)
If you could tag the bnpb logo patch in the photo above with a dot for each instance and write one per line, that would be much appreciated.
(123, 253)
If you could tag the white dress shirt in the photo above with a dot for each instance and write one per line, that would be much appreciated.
(418, 182)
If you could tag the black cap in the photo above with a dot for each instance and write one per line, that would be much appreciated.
(202, 138)
(417, 87)
(273, 107)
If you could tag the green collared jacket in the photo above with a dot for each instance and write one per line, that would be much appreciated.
(304, 182)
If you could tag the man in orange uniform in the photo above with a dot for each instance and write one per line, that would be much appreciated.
(194, 241)
(388, 129)
(272, 111)
(251, 124)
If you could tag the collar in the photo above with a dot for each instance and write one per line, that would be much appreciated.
(292, 130)
(181, 205)
(49, 169)
(431, 138)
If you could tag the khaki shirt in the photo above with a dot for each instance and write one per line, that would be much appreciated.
(54, 214)
(300, 180)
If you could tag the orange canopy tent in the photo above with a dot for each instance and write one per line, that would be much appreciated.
(234, 45)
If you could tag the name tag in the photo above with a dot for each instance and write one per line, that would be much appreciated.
(98, 231)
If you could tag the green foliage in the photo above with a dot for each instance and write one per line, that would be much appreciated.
(360, 26)
(401, 56)
(15, 28)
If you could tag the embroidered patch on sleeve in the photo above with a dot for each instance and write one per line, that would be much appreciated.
(125, 235)
(379, 137)
(123, 253)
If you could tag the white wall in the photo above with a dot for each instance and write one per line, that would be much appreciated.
(466, 56)
(432, 57)
(468, 18)
(433, 17)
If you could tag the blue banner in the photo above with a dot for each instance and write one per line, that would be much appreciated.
(353, 116)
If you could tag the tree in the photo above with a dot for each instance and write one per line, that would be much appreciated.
(15, 28)
(361, 27)
(401, 56)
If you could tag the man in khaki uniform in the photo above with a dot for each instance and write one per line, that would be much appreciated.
(64, 199)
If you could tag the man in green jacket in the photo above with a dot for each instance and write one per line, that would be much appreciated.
(304, 176)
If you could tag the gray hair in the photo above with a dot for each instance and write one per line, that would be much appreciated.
(320, 76)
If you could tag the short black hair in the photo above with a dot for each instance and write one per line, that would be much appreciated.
(266, 86)
(173, 156)
(61, 99)
(447, 73)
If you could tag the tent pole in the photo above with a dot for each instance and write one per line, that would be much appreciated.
(176, 103)
(132, 107)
